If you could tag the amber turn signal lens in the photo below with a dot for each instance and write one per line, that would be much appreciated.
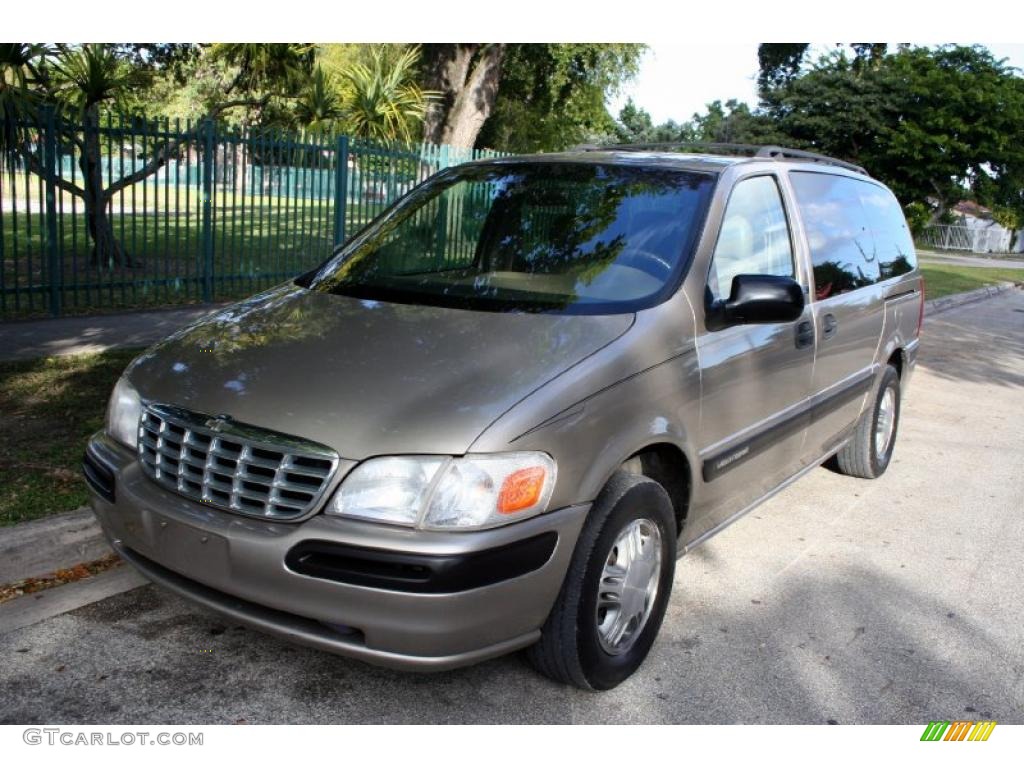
(521, 490)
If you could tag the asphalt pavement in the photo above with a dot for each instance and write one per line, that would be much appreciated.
(840, 600)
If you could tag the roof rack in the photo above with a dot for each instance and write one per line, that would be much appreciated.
(770, 150)
(766, 151)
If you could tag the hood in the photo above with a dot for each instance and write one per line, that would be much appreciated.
(364, 377)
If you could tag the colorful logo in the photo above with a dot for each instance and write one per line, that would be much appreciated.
(958, 730)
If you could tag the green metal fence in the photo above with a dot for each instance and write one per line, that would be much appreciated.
(227, 214)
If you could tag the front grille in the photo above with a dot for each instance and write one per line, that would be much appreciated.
(233, 466)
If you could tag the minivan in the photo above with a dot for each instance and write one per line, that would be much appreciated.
(495, 417)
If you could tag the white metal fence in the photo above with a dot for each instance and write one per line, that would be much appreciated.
(957, 238)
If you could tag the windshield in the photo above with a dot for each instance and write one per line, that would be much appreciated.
(556, 237)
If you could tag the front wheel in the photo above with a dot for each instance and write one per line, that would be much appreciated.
(870, 449)
(616, 591)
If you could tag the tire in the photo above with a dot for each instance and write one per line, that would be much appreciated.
(861, 456)
(572, 648)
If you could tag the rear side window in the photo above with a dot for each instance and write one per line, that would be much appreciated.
(838, 232)
(754, 238)
(894, 244)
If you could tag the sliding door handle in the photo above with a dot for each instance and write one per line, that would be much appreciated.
(829, 324)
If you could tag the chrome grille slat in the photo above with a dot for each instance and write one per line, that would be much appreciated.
(246, 475)
(265, 463)
(237, 467)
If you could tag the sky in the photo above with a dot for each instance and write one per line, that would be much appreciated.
(677, 80)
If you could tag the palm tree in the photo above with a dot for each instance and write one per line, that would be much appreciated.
(83, 79)
(87, 76)
(382, 98)
(77, 81)
(18, 102)
(319, 107)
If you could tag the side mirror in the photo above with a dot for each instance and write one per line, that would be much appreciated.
(757, 299)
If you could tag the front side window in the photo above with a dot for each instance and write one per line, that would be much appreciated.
(754, 238)
(559, 237)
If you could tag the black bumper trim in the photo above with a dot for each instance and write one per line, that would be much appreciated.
(98, 475)
(419, 573)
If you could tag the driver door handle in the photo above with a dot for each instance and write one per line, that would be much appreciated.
(804, 334)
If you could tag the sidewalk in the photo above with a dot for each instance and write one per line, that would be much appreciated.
(967, 259)
(25, 339)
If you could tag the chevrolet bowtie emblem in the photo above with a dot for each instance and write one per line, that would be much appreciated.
(218, 423)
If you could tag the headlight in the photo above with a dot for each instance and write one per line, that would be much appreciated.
(123, 414)
(476, 491)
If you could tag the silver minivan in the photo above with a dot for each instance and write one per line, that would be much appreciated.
(496, 416)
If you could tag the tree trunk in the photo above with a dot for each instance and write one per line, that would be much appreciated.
(241, 161)
(467, 76)
(106, 249)
(446, 67)
(941, 205)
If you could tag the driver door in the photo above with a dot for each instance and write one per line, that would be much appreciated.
(755, 379)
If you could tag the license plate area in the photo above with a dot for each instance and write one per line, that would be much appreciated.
(193, 552)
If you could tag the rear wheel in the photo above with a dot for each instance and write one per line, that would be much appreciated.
(616, 591)
(870, 450)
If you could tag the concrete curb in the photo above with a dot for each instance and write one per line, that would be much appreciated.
(935, 306)
(43, 546)
(39, 606)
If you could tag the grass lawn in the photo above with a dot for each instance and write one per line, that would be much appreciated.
(944, 279)
(48, 409)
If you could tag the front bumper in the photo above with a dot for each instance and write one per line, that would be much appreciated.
(237, 566)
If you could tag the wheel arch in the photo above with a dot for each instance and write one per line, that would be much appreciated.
(667, 464)
(897, 359)
(661, 459)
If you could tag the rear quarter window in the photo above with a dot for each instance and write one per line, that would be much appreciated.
(894, 245)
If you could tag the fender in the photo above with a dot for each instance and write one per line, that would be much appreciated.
(591, 437)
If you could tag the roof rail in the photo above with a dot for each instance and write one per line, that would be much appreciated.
(773, 151)
(765, 151)
(749, 149)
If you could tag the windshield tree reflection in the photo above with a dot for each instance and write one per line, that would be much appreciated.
(570, 237)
